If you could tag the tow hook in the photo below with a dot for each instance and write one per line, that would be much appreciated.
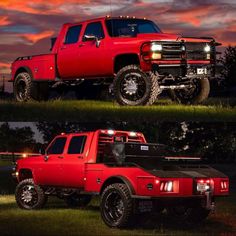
(210, 205)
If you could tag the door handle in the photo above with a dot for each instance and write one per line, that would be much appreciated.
(80, 157)
(81, 45)
(61, 157)
(62, 48)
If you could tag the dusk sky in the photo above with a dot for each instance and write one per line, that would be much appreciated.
(26, 26)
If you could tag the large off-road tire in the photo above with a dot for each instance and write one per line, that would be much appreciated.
(197, 94)
(133, 87)
(29, 196)
(116, 206)
(26, 90)
(78, 200)
(186, 214)
(23, 87)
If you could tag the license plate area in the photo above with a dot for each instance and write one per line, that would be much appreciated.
(202, 187)
(202, 71)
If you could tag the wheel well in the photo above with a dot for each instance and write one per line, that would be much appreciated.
(125, 60)
(23, 69)
(117, 179)
(25, 174)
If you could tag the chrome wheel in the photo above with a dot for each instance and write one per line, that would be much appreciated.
(28, 196)
(133, 87)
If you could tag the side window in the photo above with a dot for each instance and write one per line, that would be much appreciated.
(95, 29)
(72, 35)
(57, 146)
(77, 144)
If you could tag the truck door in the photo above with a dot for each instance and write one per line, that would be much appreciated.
(73, 164)
(50, 172)
(68, 56)
(92, 55)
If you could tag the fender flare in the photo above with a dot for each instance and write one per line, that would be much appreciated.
(22, 69)
(113, 179)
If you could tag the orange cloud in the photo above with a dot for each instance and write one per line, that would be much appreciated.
(33, 38)
(35, 7)
(5, 65)
(5, 68)
(4, 21)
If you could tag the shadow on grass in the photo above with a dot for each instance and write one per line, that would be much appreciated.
(163, 223)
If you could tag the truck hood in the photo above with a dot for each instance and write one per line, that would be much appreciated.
(172, 37)
(159, 37)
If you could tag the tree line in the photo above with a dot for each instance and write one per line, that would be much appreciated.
(214, 142)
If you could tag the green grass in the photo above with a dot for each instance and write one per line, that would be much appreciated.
(97, 111)
(57, 219)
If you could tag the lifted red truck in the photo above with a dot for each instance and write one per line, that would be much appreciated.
(131, 176)
(131, 58)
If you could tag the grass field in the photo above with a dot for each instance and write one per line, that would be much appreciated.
(57, 219)
(98, 111)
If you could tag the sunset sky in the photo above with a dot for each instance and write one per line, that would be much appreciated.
(26, 26)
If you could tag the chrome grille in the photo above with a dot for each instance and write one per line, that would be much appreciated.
(195, 51)
(172, 50)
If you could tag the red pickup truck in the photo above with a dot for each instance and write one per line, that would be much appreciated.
(132, 58)
(131, 176)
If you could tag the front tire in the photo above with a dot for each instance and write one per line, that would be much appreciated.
(133, 87)
(195, 95)
(116, 206)
(29, 196)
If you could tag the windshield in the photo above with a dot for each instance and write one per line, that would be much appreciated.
(130, 27)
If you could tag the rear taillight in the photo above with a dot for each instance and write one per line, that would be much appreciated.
(166, 186)
(224, 186)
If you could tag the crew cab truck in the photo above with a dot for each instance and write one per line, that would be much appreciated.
(131, 176)
(131, 58)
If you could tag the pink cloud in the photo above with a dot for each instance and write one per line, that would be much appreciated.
(4, 21)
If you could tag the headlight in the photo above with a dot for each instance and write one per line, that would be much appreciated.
(156, 47)
(207, 48)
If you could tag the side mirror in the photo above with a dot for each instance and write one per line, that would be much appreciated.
(92, 38)
(89, 37)
(46, 157)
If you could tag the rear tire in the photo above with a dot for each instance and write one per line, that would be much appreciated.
(133, 87)
(26, 90)
(116, 206)
(23, 87)
(195, 95)
(29, 196)
(78, 200)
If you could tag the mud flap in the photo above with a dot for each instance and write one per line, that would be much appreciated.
(210, 205)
